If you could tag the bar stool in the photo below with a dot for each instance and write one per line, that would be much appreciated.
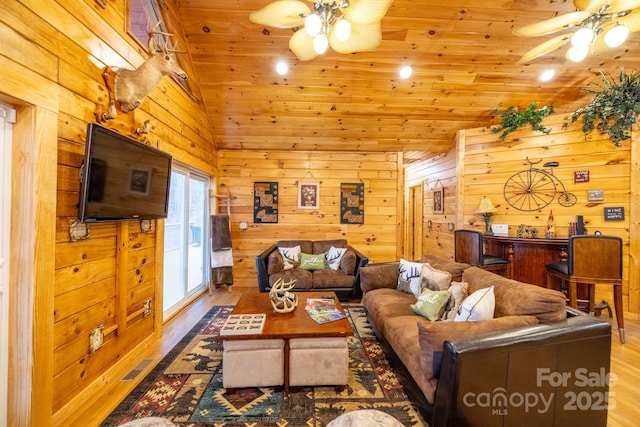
(593, 260)
(469, 250)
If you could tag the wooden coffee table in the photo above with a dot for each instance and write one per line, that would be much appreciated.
(297, 324)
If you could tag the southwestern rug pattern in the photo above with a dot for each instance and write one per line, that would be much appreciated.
(186, 386)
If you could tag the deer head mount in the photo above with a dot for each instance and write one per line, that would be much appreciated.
(128, 88)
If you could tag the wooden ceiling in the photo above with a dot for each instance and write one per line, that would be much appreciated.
(464, 57)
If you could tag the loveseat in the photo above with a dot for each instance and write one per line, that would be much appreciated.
(534, 362)
(334, 268)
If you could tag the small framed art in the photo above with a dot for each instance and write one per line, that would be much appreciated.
(438, 200)
(308, 195)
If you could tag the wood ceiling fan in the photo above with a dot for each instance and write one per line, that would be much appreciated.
(347, 26)
(593, 28)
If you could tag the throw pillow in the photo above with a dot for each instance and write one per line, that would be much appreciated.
(434, 279)
(334, 255)
(458, 291)
(409, 277)
(480, 305)
(313, 261)
(290, 257)
(432, 336)
(431, 304)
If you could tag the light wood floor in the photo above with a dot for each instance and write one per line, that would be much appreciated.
(625, 362)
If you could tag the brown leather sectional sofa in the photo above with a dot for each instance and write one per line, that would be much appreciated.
(537, 362)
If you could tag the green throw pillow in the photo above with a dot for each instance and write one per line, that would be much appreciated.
(313, 261)
(431, 304)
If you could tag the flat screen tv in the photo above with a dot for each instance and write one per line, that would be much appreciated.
(122, 179)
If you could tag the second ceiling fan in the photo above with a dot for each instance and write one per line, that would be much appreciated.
(596, 26)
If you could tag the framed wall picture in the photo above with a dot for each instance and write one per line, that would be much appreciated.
(438, 200)
(308, 195)
(265, 202)
(351, 203)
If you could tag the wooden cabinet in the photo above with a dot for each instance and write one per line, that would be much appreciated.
(527, 257)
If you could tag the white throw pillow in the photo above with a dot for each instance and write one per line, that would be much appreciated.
(409, 277)
(334, 255)
(480, 305)
(290, 257)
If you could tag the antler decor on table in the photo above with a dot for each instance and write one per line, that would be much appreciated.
(282, 300)
(128, 88)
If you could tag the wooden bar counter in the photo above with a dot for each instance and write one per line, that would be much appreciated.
(527, 257)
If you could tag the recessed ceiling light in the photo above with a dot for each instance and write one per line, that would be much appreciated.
(406, 71)
(547, 75)
(282, 68)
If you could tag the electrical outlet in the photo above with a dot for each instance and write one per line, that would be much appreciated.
(147, 307)
(96, 339)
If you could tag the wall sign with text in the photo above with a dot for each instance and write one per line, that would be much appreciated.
(581, 176)
(614, 214)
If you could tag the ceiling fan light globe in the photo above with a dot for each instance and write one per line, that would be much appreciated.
(320, 43)
(577, 53)
(616, 36)
(582, 37)
(342, 29)
(313, 24)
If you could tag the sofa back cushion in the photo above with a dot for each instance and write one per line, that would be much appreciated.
(320, 246)
(382, 275)
(306, 246)
(445, 264)
(515, 298)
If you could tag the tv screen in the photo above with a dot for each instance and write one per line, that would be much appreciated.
(122, 179)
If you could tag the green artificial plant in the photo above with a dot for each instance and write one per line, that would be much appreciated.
(513, 118)
(614, 108)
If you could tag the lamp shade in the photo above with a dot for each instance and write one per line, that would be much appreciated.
(485, 206)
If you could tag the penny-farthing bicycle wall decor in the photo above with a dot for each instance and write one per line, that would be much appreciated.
(534, 189)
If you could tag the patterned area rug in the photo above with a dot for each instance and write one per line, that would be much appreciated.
(186, 386)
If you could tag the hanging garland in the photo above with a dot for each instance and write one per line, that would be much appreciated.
(513, 118)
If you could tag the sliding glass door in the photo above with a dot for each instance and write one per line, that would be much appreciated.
(186, 264)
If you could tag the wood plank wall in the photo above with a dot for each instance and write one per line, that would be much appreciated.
(377, 238)
(484, 163)
(439, 172)
(51, 57)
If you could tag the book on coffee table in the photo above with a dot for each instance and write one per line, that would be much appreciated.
(323, 310)
(243, 324)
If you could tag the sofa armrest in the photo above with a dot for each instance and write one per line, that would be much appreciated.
(526, 362)
(361, 261)
(262, 263)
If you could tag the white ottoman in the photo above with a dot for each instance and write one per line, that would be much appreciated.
(148, 422)
(252, 363)
(365, 418)
(318, 361)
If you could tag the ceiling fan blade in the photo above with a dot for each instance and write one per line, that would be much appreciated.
(631, 21)
(616, 6)
(552, 25)
(281, 14)
(366, 11)
(301, 44)
(544, 48)
(363, 37)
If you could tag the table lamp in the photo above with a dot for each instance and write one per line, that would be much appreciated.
(486, 208)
